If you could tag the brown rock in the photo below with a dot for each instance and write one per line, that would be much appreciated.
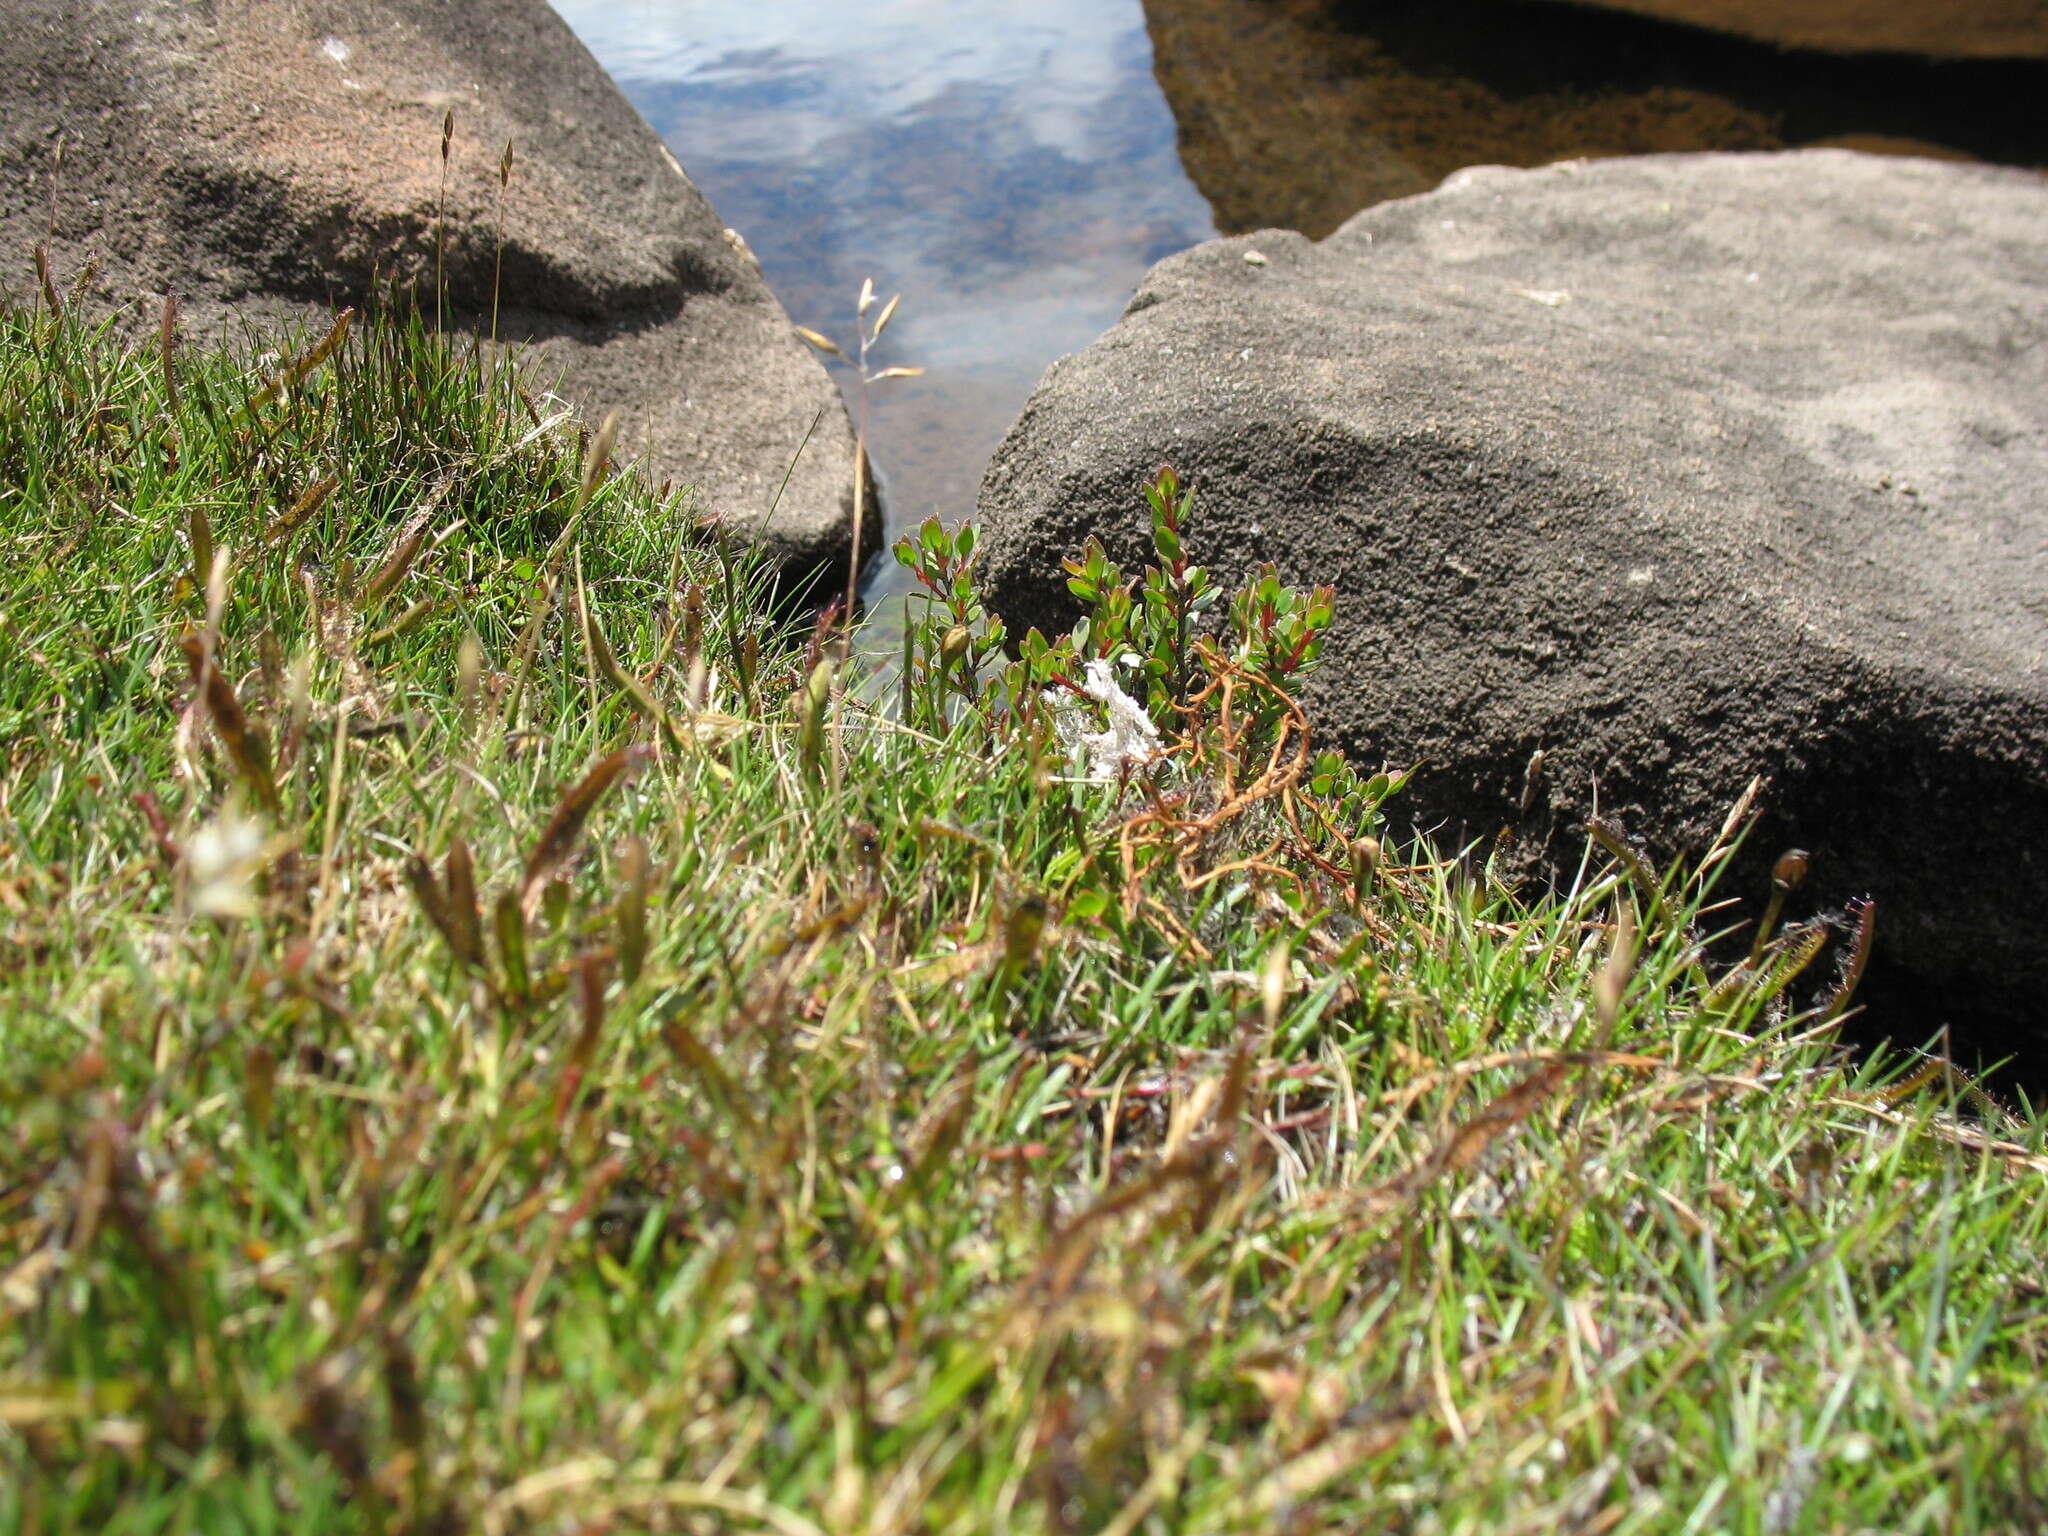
(1950, 29)
(1295, 114)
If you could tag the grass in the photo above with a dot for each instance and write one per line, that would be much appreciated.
(495, 1037)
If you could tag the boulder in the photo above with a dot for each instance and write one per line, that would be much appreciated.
(1678, 470)
(1950, 29)
(1298, 113)
(269, 160)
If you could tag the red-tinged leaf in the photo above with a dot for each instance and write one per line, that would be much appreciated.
(511, 926)
(167, 347)
(631, 911)
(1865, 912)
(590, 977)
(558, 839)
(403, 550)
(246, 745)
(940, 1129)
(1470, 1141)
(167, 848)
(200, 530)
(465, 913)
(426, 890)
(49, 285)
(717, 1082)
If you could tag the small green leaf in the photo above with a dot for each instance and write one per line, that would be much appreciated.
(1087, 907)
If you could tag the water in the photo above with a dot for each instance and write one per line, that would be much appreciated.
(1010, 169)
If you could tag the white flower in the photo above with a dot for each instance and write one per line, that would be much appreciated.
(223, 859)
(1131, 741)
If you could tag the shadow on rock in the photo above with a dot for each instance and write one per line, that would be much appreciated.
(267, 161)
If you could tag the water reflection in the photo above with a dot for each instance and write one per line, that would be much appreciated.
(1010, 168)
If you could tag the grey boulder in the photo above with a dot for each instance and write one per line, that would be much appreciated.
(268, 159)
(1679, 470)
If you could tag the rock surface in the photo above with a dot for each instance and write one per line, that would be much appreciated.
(1942, 29)
(263, 158)
(1297, 113)
(1679, 469)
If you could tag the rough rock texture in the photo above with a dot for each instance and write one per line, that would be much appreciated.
(1943, 29)
(1297, 113)
(1679, 469)
(265, 157)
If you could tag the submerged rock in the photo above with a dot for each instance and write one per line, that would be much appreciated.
(1678, 470)
(1942, 29)
(1298, 113)
(267, 160)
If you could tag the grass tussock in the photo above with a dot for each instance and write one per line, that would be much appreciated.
(496, 1035)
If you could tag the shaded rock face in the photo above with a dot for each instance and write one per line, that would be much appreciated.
(1297, 113)
(261, 158)
(1678, 469)
(1943, 29)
